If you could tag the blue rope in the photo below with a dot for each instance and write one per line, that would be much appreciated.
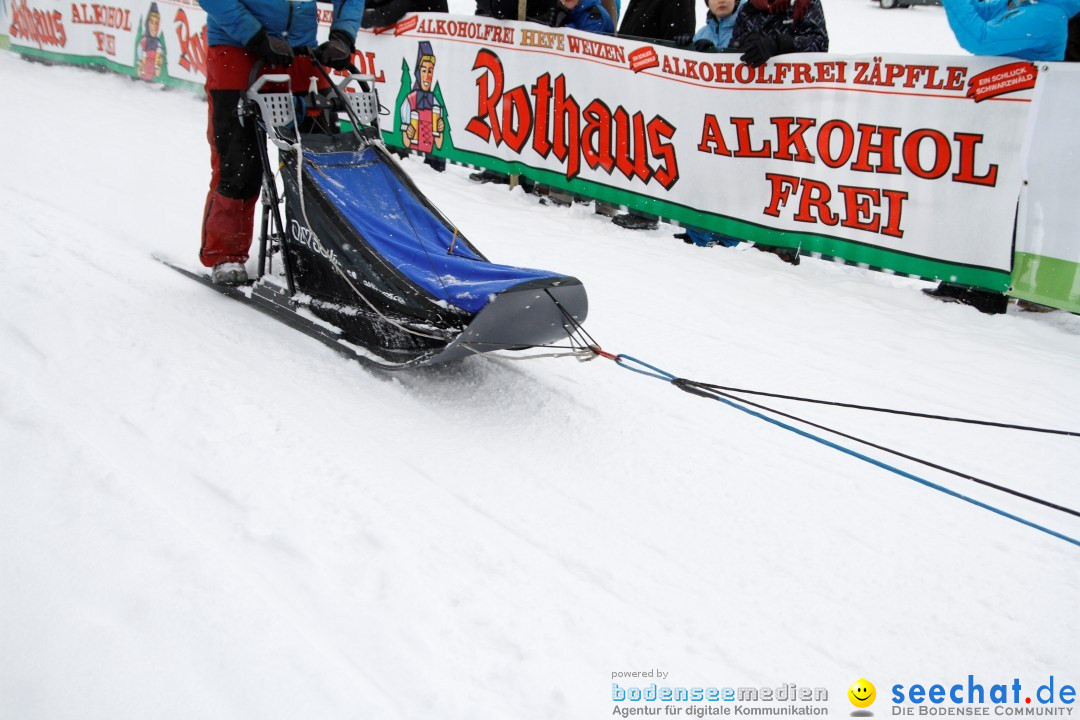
(655, 372)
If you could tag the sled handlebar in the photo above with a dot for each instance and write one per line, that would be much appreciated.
(297, 52)
(264, 79)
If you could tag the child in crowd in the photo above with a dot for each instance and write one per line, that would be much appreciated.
(715, 34)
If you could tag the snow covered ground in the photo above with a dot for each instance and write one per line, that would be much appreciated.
(206, 515)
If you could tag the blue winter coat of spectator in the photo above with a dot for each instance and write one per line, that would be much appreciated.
(587, 15)
(235, 22)
(1028, 29)
(718, 30)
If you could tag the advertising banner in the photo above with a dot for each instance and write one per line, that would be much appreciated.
(4, 42)
(906, 163)
(160, 41)
(909, 164)
(1047, 269)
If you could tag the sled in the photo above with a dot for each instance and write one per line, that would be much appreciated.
(363, 252)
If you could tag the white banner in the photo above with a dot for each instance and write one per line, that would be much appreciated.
(154, 40)
(907, 163)
(1047, 261)
(903, 162)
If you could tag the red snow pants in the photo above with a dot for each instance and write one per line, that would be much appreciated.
(235, 165)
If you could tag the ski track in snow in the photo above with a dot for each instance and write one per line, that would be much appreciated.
(205, 514)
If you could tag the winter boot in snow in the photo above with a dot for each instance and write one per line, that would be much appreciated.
(632, 221)
(229, 273)
(946, 292)
(788, 255)
(490, 176)
(985, 301)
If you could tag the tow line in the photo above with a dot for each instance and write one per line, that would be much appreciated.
(714, 392)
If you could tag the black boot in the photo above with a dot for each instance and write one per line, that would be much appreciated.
(490, 176)
(788, 255)
(946, 292)
(631, 221)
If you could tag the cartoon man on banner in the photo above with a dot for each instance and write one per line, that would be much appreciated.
(150, 47)
(421, 115)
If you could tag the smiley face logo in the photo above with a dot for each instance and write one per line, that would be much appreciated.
(862, 693)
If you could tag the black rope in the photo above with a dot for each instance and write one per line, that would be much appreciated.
(588, 342)
(711, 392)
(1009, 426)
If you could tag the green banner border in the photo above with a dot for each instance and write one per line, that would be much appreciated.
(1047, 281)
(100, 63)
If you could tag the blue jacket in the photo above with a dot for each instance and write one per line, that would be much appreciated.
(718, 30)
(1028, 29)
(590, 16)
(235, 22)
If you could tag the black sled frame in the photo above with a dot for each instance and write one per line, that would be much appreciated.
(531, 314)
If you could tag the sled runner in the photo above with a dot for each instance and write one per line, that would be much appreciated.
(364, 259)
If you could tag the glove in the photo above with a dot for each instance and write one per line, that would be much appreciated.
(683, 40)
(273, 50)
(335, 53)
(704, 45)
(558, 17)
(759, 48)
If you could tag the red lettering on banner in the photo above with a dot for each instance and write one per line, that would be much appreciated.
(667, 173)
(193, 47)
(925, 153)
(542, 94)
(596, 137)
(742, 135)
(106, 42)
(782, 188)
(858, 205)
(595, 48)
(858, 209)
(42, 27)
(712, 139)
(1002, 80)
(566, 122)
(406, 25)
(942, 153)
(489, 88)
(517, 118)
(786, 138)
(885, 150)
(815, 197)
(644, 59)
(966, 173)
(107, 16)
(825, 143)
(631, 150)
(365, 65)
(603, 138)
(489, 34)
